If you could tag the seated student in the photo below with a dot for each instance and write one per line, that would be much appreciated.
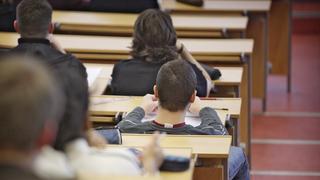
(29, 106)
(175, 91)
(7, 15)
(154, 43)
(34, 26)
(128, 6)
(8, 10)
(79, 159)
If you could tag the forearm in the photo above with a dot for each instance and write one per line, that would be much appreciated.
(211, 121)
(186, 55)
(133, 118)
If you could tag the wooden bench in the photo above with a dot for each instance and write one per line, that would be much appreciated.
(182, 152)
(231, 77)
(212, 151)
(122, 24)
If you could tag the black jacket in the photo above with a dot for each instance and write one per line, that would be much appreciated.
(137, 77)
(7, 17)
(17, 173)
(71, 75)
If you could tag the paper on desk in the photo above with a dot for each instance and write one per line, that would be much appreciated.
(93, 73)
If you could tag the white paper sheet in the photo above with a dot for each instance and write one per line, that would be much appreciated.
(93, 73)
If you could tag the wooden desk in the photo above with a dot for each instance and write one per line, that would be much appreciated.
(122, 24)
(231, 76)
(110, 104)
(107, 105)
(183, 152)
(120, 45)
(212, 150)
(213, 6)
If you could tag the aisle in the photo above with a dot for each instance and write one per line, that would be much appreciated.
(286, 140)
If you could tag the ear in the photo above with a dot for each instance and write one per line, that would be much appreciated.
(16, 26)
(156, 93)
(51, 28)
(193, 97)
(47, 135)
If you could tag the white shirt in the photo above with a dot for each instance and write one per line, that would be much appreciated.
(106, 162)
(80, 159)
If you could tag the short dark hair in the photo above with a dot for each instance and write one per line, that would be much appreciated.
(154, 37)
(176, 82)
(34, 17)
(29, 98)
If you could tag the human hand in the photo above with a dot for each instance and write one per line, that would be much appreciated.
(179, 47)
(96, 140)
(152, 155)
(55, 43)
(149, 103)
(195, 107)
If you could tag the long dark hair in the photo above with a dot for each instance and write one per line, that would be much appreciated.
(154, 37)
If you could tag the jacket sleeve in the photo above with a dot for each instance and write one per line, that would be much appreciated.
(211, 123)
(132, 120)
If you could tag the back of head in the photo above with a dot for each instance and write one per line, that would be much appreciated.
(29, 99)
(34, 18)
(176, 83)
(154, 37)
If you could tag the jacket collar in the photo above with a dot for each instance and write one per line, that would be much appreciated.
(169, 125)
(34, 40)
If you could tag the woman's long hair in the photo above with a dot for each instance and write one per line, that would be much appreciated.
(154, 37)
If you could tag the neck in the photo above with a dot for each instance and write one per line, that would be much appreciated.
(17, 158)
(165, 116)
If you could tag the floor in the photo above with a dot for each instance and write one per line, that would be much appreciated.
(286, 139)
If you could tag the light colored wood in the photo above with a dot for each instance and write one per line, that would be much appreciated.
(279, 37)
(120, 45)
(257, 29)
(219, 5)
(203, 146)
(183, 152)
(231, 76)
(125, 21)
(109, 104)
(111, 58)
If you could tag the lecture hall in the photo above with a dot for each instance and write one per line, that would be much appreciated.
(159, 89)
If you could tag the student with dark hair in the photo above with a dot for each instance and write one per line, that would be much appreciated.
(35, 27)
(154, 43)
(78, 159)
(128, 6)
(30, 104)
(174, 95)
(7, 15)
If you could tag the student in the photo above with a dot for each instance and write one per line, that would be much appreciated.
(175, 91)
(78, 159)
(7, 15)
(34, 26)
(154, 43)
(8, 10)
(128, 6)
(82, 160)
(29, 106)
